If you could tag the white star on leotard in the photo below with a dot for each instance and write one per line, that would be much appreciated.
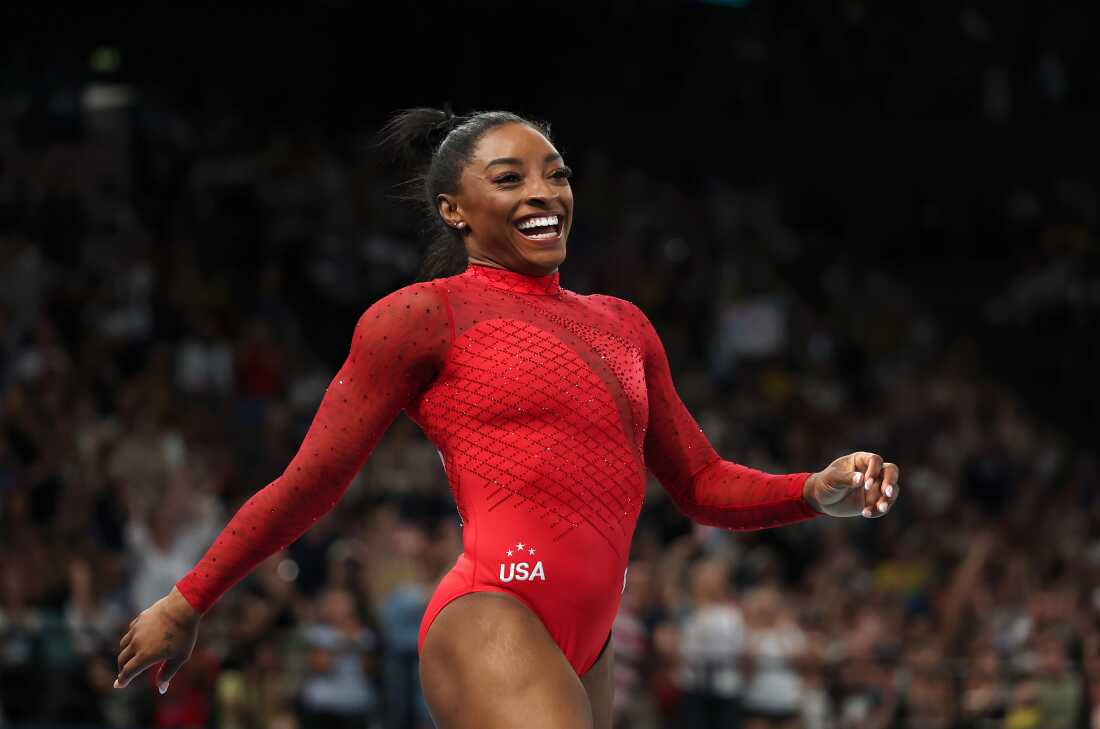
(531, 550)
(519, 546)
(509, 553)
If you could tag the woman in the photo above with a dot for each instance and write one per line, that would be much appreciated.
(776, 650)
(546, 408)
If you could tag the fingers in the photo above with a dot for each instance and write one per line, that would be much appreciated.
(890, 488)
(134, 668)
(126, 640)
(125, 655)
(870, 465)
(166, 671)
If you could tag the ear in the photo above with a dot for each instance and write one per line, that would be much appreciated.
(449, 210)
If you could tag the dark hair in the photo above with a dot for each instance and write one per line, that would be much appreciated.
(440, 144)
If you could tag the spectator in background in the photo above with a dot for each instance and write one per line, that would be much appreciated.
(401, 611)
(1024, 711)
(20, 650)
(712, 643)
(776, 649)
(1058, 684)
(337, 691)
(93, 621)
(258, 693)
(985, 693)
(162, 539)
(634, 704)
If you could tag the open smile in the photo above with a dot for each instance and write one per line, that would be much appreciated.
(541, 228)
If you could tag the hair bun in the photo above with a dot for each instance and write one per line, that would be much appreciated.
(447, 122)
(414, 134)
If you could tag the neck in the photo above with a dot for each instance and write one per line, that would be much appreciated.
(502, 277)
(482, 261)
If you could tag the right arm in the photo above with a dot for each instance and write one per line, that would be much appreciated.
(397, 349)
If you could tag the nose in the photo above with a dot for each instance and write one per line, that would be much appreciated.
(540, 192)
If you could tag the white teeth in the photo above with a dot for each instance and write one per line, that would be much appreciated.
(536, 222)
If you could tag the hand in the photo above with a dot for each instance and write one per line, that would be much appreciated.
(164, 633)
(859, 483)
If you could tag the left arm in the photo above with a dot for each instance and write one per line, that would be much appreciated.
(725, 494)
(708, 489)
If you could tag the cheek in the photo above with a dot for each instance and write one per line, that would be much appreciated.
(496, 208)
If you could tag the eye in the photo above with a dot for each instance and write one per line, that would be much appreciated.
(507, 178)
(562, 173)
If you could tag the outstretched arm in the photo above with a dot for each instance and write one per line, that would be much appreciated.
(708, 489)
(725, 494)
(396, 350)
(398, 347)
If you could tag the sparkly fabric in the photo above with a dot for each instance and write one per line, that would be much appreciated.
(546, 408)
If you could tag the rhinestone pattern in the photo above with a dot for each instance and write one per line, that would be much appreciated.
(547, 407)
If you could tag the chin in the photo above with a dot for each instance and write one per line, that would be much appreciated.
(549, 258)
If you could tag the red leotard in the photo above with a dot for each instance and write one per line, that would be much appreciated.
(546, 407)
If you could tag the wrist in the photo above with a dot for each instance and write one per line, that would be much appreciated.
(809, 493)
(179, 609)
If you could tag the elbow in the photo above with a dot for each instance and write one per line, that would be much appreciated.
(690, 507)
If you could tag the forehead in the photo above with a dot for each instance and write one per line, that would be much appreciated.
(512, 140)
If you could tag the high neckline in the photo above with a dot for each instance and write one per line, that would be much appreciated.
(509, 280)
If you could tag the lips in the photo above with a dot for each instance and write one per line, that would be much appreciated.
(541, 228)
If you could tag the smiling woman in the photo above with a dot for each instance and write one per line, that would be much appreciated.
(546, 407)
(495, 190)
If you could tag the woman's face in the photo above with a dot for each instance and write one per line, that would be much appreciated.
(514, 200)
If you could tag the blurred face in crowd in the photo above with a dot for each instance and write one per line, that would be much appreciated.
(708, 581)
(1052, 657)
(515, 201)
(337, 607)
(763, 606)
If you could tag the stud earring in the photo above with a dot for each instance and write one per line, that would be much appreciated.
(460, 225)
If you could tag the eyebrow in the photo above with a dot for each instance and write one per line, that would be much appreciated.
(517, 161)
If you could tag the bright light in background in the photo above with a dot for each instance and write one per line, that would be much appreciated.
(105, 59)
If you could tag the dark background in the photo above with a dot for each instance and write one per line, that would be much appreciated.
(856, 225)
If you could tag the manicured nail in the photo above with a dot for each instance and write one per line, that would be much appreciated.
(868, 484)
(164, 687)
(866, 511)
(116, 684)
(857, 477)
(889, 491)
(882, 507)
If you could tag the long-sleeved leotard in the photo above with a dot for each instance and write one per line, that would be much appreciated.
(546, 408)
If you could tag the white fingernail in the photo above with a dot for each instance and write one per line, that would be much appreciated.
(889, 491)
(857, 477)
(867, 486)
(866, 511)
(882, 507)
(164, 687)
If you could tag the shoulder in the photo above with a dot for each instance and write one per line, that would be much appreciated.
(415, 317)
(621, 308)
(631, 320)
(420, 301)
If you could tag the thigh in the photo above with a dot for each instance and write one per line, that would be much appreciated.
(599, 684)
(488, 662)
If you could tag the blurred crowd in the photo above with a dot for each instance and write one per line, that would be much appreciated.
(177, 286)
